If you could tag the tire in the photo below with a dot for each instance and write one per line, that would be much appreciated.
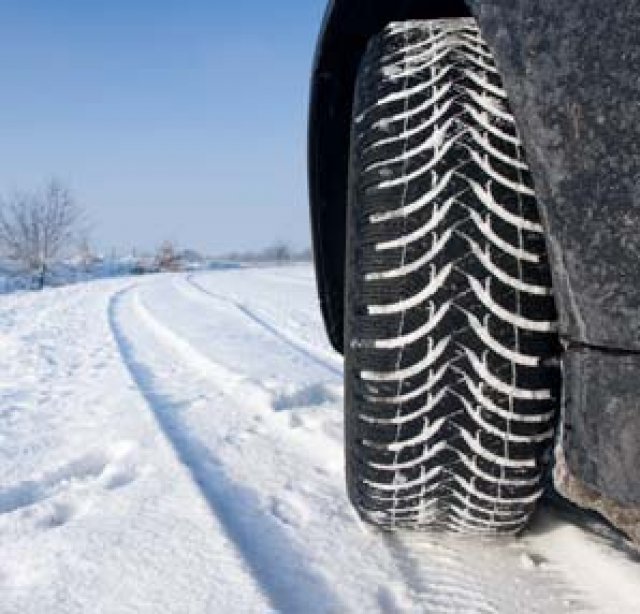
(452, 379)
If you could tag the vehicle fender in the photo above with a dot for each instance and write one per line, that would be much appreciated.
(571, 70)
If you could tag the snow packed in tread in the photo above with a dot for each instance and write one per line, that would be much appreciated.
(450, 405)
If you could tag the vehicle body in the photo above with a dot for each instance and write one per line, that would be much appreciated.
(570, 69)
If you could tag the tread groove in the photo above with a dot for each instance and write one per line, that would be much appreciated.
(451, 398)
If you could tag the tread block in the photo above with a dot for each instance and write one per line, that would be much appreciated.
(451, 399)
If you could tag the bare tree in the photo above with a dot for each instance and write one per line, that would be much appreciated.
(36, 228)
(167, 259)
(305, 255)
(86, 255)
(279, 252)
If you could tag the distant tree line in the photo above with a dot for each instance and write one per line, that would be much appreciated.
(46, 227)
(276, 253)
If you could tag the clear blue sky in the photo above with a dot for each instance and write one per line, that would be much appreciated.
(178, 119)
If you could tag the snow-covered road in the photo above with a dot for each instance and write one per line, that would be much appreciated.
(173, 444)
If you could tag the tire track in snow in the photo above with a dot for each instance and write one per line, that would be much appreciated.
(446, 580)
(293, 343)
(444, 587)
(427, 576)
(289, 278)
(271, 557)
(456, 574)
(394, 579)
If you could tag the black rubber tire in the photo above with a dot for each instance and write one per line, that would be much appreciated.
(452, 381)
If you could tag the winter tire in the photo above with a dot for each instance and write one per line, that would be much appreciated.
(451, 378)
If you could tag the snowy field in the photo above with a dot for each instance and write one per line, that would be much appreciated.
(173, 443)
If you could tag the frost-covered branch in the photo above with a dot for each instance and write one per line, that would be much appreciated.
(38, 227)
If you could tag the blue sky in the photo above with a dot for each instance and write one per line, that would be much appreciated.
(178, 119)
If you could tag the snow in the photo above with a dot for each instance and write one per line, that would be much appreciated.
(173, 443)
